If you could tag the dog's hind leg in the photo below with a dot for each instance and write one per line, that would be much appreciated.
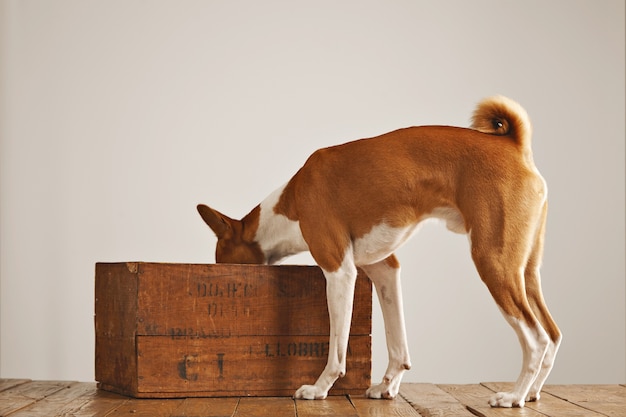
(538, 305)
(386, 277)
(500, 253)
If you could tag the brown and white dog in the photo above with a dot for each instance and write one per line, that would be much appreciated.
(354, 204)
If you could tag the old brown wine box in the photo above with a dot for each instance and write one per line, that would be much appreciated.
(191, 330)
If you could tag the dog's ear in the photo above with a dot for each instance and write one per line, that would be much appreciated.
(218, 222)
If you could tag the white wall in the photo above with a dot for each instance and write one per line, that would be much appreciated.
(118, 117)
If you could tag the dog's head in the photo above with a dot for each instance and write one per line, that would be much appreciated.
(235, 238)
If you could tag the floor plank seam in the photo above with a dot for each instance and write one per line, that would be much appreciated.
(474, 411)
(19, 383)
(420, 412)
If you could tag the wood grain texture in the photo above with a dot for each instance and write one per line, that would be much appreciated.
(203, 407)
(147, 408)
(265, 407)
(432, 401)
(83, 399)
(609, 400)
(10, 383)
(221, 300)
(247, 365)
(115, 325)
(95, 403)
(24, 395)
(57, 402)
(331, 406)
(394, 408)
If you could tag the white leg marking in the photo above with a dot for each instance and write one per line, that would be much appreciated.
(546, 367)
(387, 282)
(340, 294)
(535, 344)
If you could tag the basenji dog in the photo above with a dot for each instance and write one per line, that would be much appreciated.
(354, 204)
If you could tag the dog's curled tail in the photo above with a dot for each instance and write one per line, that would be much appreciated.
(499, 115)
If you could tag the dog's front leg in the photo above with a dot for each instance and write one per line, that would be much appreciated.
(386, 277)
(340, 296)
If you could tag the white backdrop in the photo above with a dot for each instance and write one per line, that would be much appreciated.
(118, 117)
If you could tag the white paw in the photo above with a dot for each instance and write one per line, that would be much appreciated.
(506, 400)
(387, 391)
(310, 392)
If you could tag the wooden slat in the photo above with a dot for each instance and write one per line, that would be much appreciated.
(95, 403)
(221, 300)
(475, 397)
(20, 396)
(398, 407)
(432, 401)
(54, 403)
(5, 384)
(331, 406)
(207, 407)
(547, 404)
(253, 365)
(147, 408)
(265, 407)
(609, 400)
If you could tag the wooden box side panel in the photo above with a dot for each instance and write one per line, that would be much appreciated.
(221, 300)
(115, 326)
(162, 330)
(247, 365)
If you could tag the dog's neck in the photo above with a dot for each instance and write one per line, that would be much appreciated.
(277, 236)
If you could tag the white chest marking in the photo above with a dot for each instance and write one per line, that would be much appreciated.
(278, 236)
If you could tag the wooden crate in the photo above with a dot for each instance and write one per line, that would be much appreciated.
(191, 330)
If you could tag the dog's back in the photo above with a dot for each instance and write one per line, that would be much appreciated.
(400, 178)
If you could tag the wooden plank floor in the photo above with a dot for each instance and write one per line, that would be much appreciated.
(26, 398)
